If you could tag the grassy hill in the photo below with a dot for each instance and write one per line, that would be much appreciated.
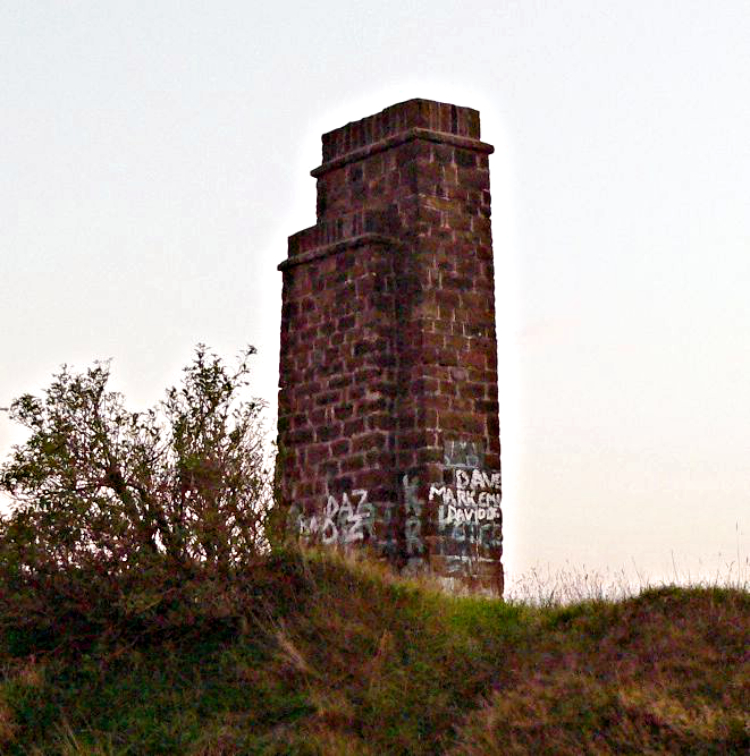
(326, 656)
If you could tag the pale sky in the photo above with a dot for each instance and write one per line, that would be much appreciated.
(155, 156)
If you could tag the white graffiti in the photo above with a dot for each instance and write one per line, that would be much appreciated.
(469, 512)
(477, 479)
(385, 525)
(343, 521)
(463, 453)
(458, 516)
(463, 498)
(413, 525)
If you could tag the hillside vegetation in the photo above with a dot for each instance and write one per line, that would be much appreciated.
(316, 654)
(148, 606)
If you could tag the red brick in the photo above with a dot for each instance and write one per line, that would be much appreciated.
(388, 351)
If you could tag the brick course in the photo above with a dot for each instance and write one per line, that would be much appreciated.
(388, 348)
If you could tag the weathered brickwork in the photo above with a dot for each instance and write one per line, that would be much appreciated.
(388, 413)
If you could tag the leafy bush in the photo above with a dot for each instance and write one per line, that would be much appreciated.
(116, 512)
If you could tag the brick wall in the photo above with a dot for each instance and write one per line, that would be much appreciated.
(388, 414)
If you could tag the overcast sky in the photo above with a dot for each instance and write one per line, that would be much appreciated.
(154, 156)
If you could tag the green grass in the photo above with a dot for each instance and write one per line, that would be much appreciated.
(333, 656)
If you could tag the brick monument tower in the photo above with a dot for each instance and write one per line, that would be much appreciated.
(388, 414)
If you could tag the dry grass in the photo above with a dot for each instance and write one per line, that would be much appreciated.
(336, 655)
(667, 672)
(543, 586)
